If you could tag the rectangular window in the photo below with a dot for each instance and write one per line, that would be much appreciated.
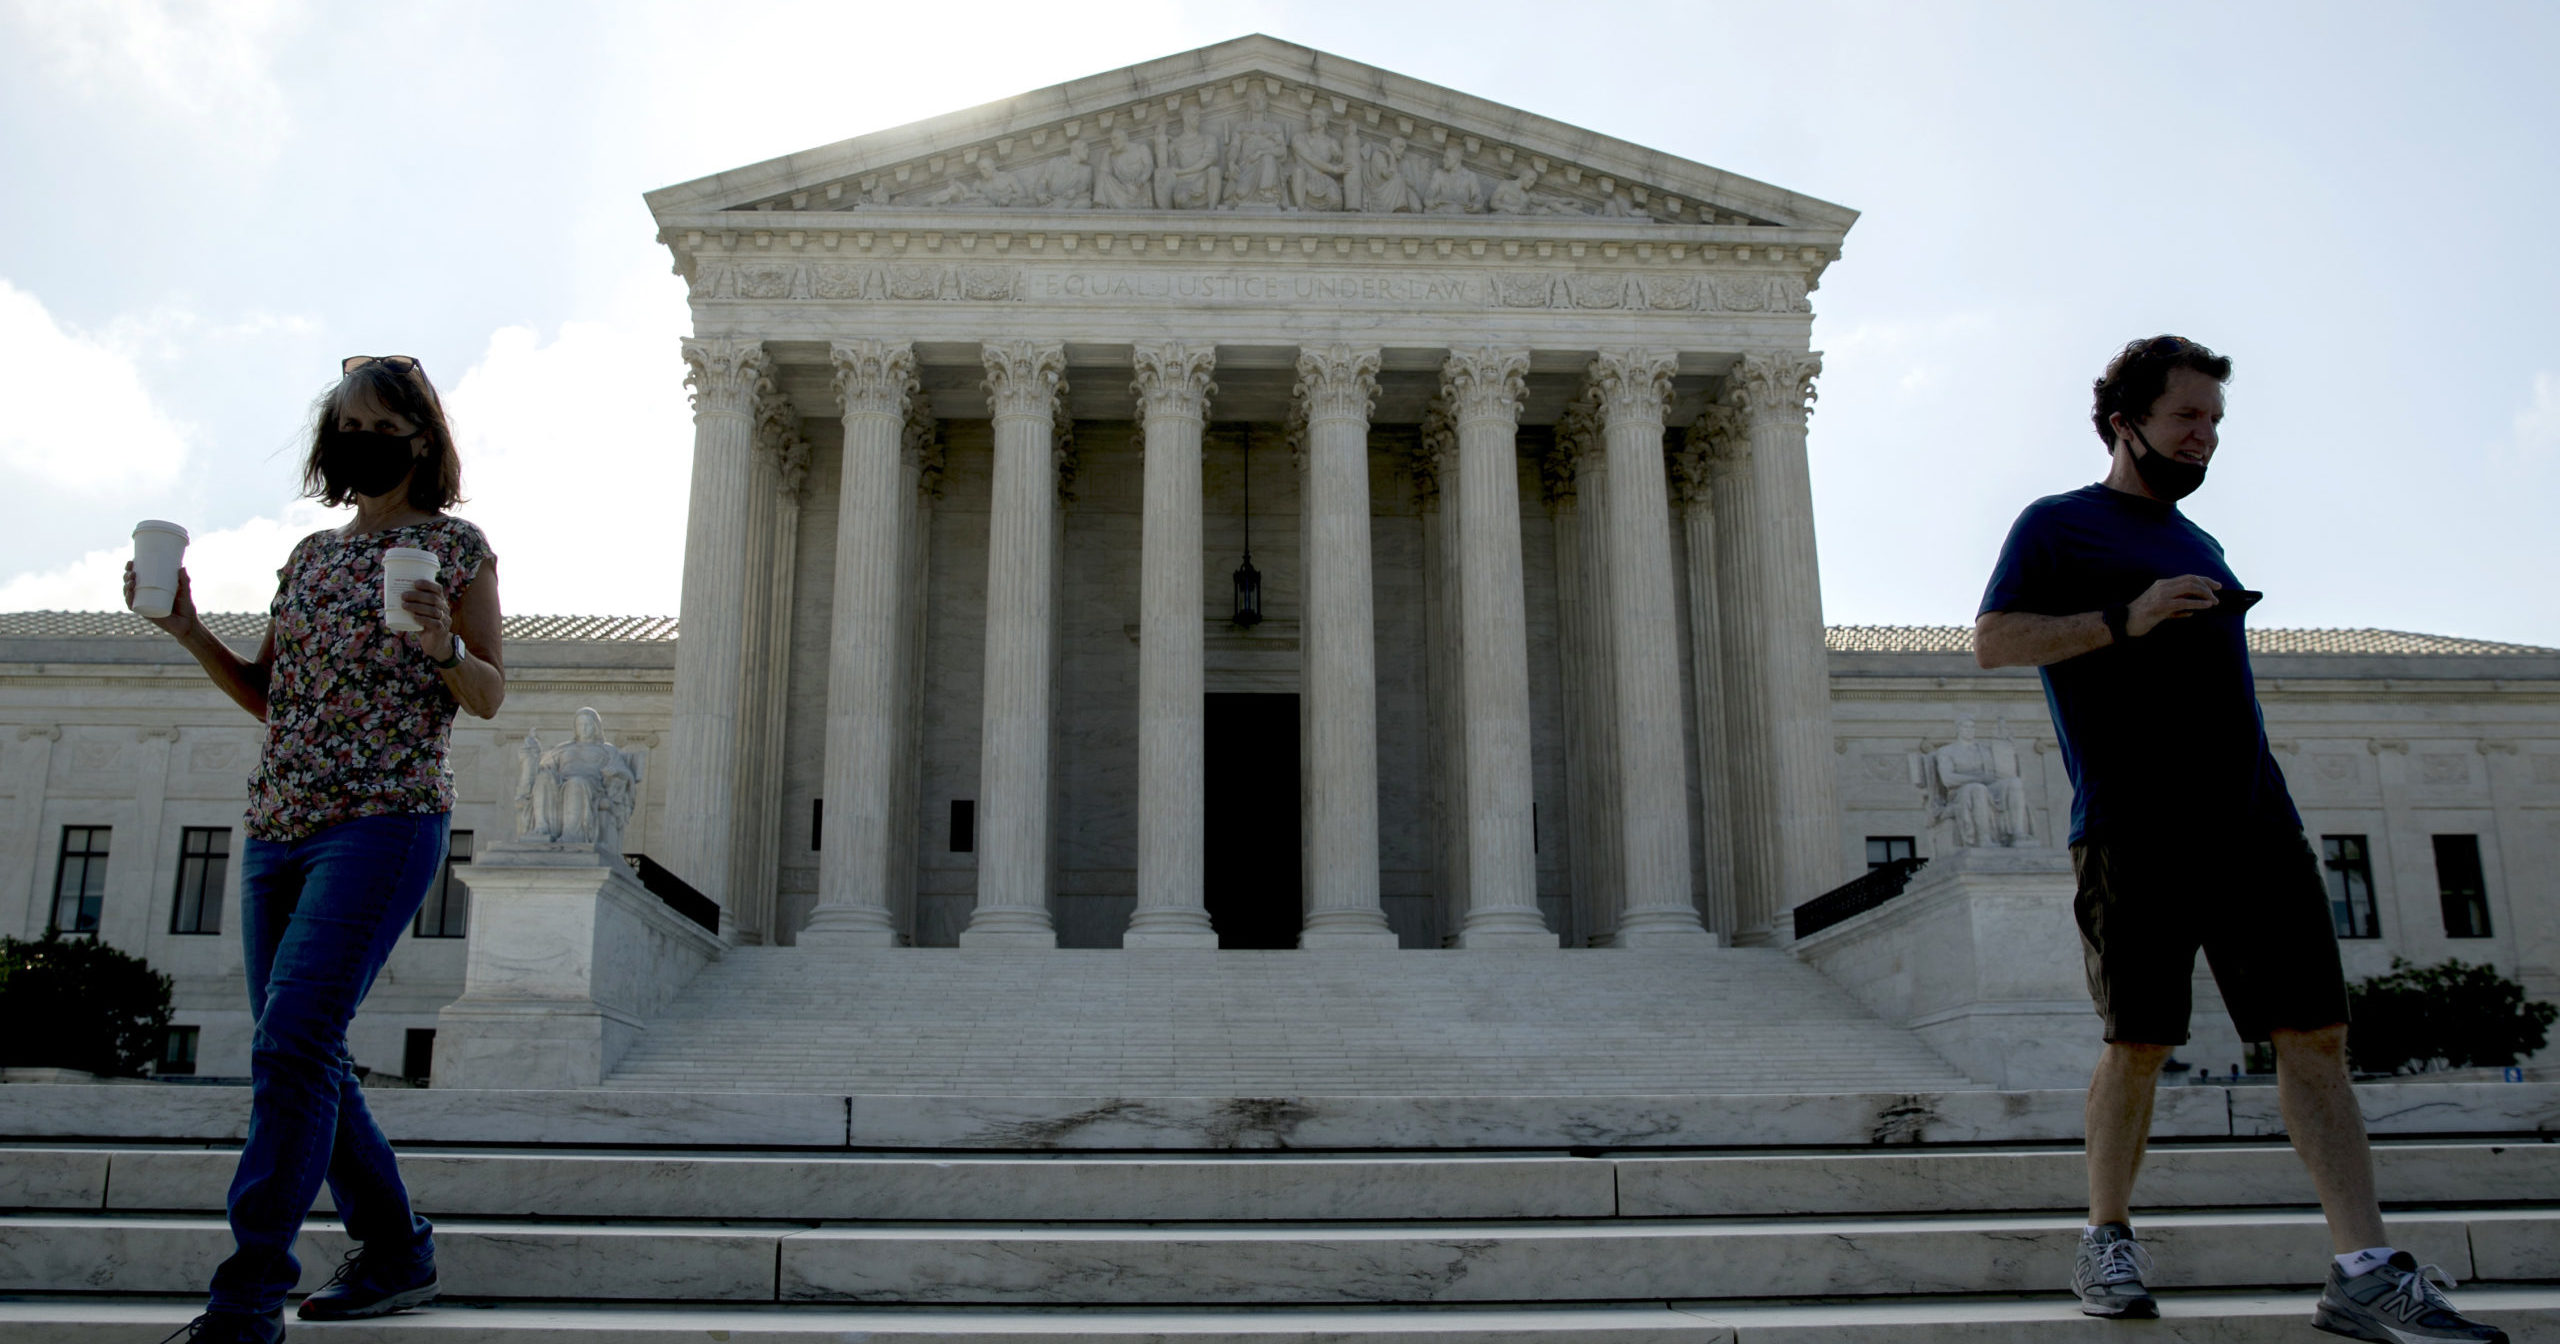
(447, 913)
(817, 822)
(418, 1054)
(2458, 884)
(178, 1053)
(2349, 866)
(204, 857)
(964, 825)
(80, 878)
(1884, 849)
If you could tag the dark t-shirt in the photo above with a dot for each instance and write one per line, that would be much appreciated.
(2160, 734)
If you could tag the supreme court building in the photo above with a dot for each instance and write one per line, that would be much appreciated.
(1514, 415)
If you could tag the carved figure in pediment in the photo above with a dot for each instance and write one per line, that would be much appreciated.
(1257, 156)
(1127, 178)
(1317, 166)
(1004, 187)
(1067, 182)
(1616, 206)
(1188, 176)
(1454, 190)
(1384, 188)
(1513, 196)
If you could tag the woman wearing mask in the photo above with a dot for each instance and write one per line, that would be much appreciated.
(348, 818)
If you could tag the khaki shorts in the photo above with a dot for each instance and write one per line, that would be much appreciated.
(2254, 902)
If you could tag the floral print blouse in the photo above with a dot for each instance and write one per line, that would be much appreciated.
(356, 715)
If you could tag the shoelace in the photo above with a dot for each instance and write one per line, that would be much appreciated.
(354, 1259)
(191, 1330)
(2412, 1295)
(2123, 1262)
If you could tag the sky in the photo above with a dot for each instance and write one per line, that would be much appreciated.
(204, 204)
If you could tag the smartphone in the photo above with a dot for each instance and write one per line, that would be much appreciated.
(2235, 600)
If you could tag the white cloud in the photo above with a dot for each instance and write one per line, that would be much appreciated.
(74, 411)
(231, 570)
(577, 457)
(2537, 426)
(205, 68)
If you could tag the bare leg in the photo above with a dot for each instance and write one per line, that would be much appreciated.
(2119, 1126)
(2321, 1115)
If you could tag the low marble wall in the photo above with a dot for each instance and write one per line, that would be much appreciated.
(570, 957)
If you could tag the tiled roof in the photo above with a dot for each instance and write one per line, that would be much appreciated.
(1959, 639)
(245, 625)
(248, 625)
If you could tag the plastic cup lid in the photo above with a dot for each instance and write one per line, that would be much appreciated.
(411, 553)
(156, 525)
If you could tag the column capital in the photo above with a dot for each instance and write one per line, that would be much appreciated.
(1717, 443)
(1633, 384)
(725, 373)
(921, 440)
(1025, 379)
(1434, 461)
(1581, 430)
(1775, 383)
(1173, 380)
(778, 437)
(1337, 382)
(874, 377)
(1485, 383)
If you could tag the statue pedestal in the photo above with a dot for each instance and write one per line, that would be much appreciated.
(569, 958)
(1980, 956)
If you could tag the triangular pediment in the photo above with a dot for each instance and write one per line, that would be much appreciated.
(1255, 126)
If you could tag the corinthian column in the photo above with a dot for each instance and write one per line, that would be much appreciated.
(1483, 387)
(1773, 390)
(1337, 384)
(1173, 391)
(875, 382)
(725, 374)
(1695, 491)
(1024, 382)
(1633, 386)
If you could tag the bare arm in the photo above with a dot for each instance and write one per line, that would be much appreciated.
(244, 680)
(479, 681)
(2025, 639)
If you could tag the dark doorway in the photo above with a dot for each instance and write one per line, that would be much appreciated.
(1252, 831)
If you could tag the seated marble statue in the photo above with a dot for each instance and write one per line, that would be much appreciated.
(1974, 787)
(579, 792)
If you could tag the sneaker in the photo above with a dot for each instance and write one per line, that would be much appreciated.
(2396, 1302)
(230, 1327)
(365, 1286)
(2108, 1275)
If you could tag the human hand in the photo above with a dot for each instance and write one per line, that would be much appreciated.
(2167, 600)
(181, 620)
(427, 604)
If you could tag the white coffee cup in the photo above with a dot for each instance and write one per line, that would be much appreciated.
(401, 567)
(158, 548)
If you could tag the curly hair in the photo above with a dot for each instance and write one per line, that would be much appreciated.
(436, 484)
(2139, 373)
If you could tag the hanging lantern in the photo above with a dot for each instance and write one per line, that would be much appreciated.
(1248, 579)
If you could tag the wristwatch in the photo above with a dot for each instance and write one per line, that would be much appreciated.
(450, 663)
(2115, 616)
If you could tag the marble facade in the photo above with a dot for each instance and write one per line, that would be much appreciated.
(1016, 348)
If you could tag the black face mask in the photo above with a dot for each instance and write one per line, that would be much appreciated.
(2168, 477)
(364, 461)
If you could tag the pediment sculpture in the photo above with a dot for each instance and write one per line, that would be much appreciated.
(581, 791)
(1977, 798)
(1230, 153)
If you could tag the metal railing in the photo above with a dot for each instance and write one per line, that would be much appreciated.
(1857, 896)
(678, 894)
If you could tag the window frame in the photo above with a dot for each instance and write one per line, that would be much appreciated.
(2475, 897)
(93, 864)
(211, 868)
(2339, 874)
(166, 1067)
(447, 894)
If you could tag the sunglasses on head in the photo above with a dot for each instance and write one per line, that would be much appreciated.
(400, 364)
(2166, 345)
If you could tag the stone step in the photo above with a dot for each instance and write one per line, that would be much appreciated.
(733, 1119)
(478, 1183)
(2186, 1318)
(1047, 1265)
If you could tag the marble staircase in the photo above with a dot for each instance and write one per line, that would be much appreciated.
(1807, 1229)
(1002, 1022)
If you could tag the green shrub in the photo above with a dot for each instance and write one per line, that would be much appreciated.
(2453, 1016)
(76, 1003)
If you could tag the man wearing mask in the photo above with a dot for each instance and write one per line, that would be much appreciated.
(2183, 835)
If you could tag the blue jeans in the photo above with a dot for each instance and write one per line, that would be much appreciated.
(320, 915)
